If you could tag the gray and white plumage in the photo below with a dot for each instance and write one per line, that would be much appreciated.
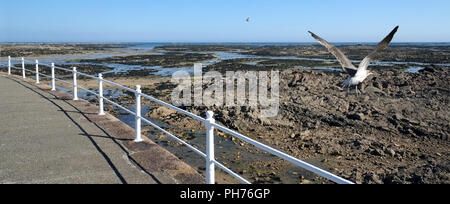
(357, 75)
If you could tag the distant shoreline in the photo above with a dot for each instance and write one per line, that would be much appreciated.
(238, 43)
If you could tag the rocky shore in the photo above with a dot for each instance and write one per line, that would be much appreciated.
(397, 131)
(170, 59)
(425, 54)
(397, 53)
(48, 49)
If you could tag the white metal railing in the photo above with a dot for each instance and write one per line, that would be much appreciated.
(209, 122)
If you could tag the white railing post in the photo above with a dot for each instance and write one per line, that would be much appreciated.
(100, 93)
(23, 68)
(138, 137)
(37, 72)
(53, 77)
(210, 171)
(9, 65)
(75, 86)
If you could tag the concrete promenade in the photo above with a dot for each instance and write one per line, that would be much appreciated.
(45, 137)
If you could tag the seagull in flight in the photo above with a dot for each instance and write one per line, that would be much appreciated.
(247, 20)
(357, 75)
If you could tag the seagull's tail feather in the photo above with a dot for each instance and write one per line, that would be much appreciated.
(346, 83)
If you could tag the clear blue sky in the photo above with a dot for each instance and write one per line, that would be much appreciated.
(222, 20)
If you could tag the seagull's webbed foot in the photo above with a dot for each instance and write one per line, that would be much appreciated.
(348, 88)
(357, 90)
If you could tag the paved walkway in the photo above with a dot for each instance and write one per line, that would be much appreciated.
(47, 139)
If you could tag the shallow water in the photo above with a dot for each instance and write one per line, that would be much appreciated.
(220, 56)
(414, 69)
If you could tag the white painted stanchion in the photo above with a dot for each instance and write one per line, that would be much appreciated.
(138, 137)
(37, 72)
(23, 68)
(53, 77)
(210, 168)
(75, 86)
(9, 65)
(100, 93)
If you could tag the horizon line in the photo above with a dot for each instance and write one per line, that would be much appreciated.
(213, 42)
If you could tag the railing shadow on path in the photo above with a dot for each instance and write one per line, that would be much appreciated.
(85, 133)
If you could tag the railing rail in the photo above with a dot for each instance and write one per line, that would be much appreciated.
(209, 122)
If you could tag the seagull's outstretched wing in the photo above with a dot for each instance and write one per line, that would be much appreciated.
(381, 46)
(340, 56)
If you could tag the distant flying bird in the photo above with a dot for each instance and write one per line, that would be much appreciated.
(357, 75)
(247, 20)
